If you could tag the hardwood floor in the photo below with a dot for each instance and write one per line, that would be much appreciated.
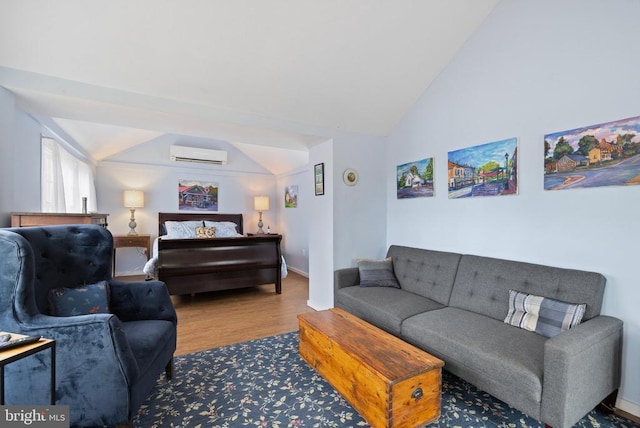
(208, 320)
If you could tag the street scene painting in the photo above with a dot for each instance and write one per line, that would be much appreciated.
(197, 196)
(415, 179)
(486, 170)
(607, 154)
(291, 196)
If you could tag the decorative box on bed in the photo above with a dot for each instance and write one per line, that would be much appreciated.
(197, 265)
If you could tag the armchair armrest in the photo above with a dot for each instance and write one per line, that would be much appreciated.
(585, 359)
(136, 301)
(346, 277)
(89, 338)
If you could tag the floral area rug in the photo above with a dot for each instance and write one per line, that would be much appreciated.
(265, 383)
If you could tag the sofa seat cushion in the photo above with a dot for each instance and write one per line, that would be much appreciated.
(148, 339)
(503, 360)
(384, 307)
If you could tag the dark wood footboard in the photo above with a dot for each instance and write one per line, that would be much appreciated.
(199, 265)
(191, 266)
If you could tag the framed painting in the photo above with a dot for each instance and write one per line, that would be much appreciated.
(197, 196)
(291, 196)
(415, 179)
(318, 172)
(607, 154)
(489, 169)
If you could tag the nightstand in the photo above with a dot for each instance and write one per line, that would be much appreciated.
(139, 241)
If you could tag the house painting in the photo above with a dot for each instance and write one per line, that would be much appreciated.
(605, 154)
(291, 196)
(415, 179)
(485, 170)
(196, 196)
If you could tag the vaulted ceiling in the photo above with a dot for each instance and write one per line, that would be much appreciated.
(264, 75)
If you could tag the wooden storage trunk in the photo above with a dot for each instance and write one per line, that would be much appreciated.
(388, 381)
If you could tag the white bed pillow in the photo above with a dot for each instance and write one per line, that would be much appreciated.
(182, 229)
(224, 229)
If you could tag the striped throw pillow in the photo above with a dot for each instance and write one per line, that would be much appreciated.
(542, 315)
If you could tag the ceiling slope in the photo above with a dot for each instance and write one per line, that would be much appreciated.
(291, 71)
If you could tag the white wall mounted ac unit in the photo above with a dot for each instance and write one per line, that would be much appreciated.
(194, 154)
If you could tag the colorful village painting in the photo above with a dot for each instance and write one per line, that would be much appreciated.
(415, 179)
(607, 154)
(487, 170)
(197, 196)
(291, 196)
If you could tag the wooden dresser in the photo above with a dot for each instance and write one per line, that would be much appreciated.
(47, 219)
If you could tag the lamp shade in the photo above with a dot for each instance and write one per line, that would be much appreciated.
(261, 203)
(133, 199)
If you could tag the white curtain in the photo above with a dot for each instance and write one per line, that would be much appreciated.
(65, 180)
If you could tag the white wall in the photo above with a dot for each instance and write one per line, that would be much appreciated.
(27, 161)
(147, 167)
(294, 222)
(533, 68)
(359, 211)
(321, 230)
(7, 108)
(19, 159)
(347, 222)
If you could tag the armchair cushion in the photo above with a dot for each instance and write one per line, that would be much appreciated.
(83, 300)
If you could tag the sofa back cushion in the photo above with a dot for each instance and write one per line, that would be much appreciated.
(427, 273)
(482, 285)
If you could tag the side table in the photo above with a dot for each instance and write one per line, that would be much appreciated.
(14, 354)
(139, 241)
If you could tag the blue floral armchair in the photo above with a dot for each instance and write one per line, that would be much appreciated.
(106, 363)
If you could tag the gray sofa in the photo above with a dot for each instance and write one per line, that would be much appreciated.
(453, 306)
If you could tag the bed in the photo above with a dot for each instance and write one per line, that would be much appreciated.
(196, 265)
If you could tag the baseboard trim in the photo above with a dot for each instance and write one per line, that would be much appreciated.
(317, 307)
(629, 408)
(298, 271)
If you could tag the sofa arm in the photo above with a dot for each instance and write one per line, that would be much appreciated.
(136, 301)
(582, 366)
(347, 277)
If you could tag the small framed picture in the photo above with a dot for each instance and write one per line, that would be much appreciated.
(318, 170)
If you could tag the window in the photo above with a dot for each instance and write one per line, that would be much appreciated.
(65, 180)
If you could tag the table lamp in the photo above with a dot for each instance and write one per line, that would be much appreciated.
(260, 204)
(133, 199)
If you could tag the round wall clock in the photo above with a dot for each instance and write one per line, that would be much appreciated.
(350, 177)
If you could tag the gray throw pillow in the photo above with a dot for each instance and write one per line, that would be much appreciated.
(377, 273)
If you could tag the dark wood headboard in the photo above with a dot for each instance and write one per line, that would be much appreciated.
(162, 217)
